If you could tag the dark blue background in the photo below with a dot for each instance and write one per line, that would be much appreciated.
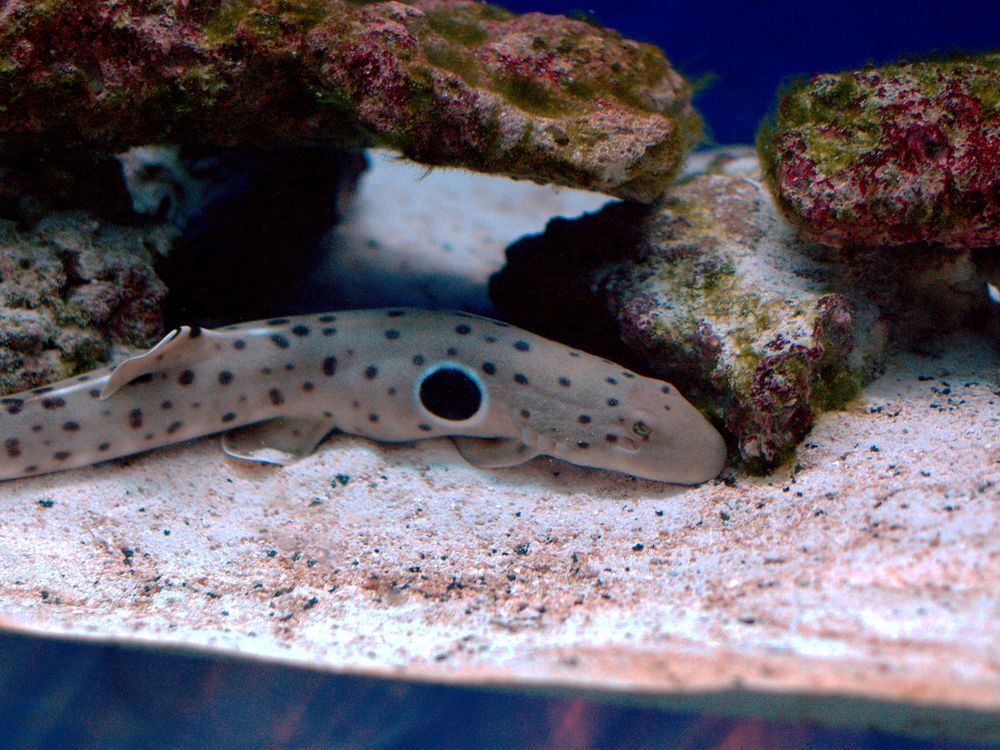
(750, 46)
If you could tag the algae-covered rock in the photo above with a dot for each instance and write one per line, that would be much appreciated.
(75, 292)
(446, 82)
(713, 290)
(709, 289)
(891, 155)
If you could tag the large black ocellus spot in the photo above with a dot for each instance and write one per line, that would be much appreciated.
(451, 393)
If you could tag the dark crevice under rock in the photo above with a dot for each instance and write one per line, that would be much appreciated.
(255, 238)
(711, 290)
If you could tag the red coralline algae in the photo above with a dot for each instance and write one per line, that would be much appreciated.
(891, 156)
(446, 82)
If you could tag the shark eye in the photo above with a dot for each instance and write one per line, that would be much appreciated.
(449, 392)
(642, 429)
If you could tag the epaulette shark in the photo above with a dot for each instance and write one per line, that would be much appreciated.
(278, 388)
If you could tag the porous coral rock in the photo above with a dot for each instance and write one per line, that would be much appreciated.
(74, 293)
(713, 290)
(892, 155)
(447, 82)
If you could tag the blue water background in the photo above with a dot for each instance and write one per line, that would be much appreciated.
(748, 47)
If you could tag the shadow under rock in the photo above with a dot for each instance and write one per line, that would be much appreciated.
(254, 239)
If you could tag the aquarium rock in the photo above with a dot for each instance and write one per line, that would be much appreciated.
(74, 292)
(713, 291)
(890, 156)
(445, 82)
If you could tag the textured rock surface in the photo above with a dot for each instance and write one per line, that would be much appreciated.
(75, 291)
(450, 82)
(892, 155)
(712, 290)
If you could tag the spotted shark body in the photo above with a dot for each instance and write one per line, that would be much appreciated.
(277, 388)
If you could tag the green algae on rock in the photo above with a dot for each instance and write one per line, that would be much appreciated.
(891, 155)
(75, 292)
(446, 82)
(713, 291)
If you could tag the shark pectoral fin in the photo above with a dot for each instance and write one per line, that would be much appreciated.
(493, 453)
(184, 344)
(278, 441)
